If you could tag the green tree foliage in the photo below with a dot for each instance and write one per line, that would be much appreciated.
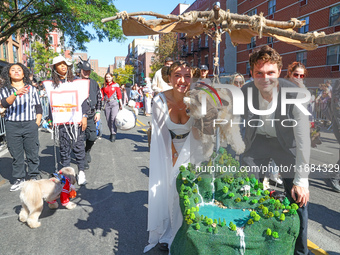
(245, 198)
(97, 78)
(225, 189)
(168, 47)
(254, 201)
(73, 18)
(196, 200)
(125, 75)
(42, 56)
(209, 221)
(197, 226)
(276, 214)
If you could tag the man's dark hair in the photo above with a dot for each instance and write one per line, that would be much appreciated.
(267, 54)
(168, 59)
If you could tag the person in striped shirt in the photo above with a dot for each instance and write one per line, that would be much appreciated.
(22, 119)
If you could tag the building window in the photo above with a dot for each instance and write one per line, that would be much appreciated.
(252, 44)
(270, 40)
(206, 60)
(152, 59)
(252, 12)
(192, 45)
(248, 68)
(15, 54)
(4, 51)
(305, 28)
(303, 2)
(271, 7)
(199, 41)
(333, 55)
(206, 41)
(302, 57)
(334, 15)
(199, 61)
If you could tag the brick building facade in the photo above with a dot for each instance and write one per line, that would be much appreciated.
(319, 15)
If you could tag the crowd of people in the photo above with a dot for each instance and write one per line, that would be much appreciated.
(28, 105)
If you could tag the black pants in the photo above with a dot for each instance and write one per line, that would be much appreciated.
(22, 138)
(91, 130)
(261, 151)
(68, 144)
(90, 133)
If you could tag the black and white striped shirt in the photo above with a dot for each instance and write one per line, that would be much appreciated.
(24, 108)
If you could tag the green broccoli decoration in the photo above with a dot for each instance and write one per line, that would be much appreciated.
(269, 232)
(257, 218)
(282, 217)
(294, 206)
(231, 195)
(275, 235)
(265, 210)
(285, 201)
(225, 189)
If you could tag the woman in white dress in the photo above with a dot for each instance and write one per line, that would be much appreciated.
(171, 141)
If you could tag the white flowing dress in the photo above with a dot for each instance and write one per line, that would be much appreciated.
(164, 214)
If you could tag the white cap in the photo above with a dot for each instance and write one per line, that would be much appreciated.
(60, 59)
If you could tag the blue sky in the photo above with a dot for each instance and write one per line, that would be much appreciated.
(106, 51)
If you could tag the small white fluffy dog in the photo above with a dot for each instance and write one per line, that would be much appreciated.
(34, 193)
(205, 123)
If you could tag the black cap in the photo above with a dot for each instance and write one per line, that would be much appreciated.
(204, 67)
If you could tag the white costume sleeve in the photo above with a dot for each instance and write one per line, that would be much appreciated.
(303, 145)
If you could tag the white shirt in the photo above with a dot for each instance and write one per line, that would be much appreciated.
(301, 134)
(158, 84)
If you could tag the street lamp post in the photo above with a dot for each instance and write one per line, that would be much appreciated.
(128, 75)
(134, 59)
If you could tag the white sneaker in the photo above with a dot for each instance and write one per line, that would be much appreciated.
(17, 185)
(81, 178)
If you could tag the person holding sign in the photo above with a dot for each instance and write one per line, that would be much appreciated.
(67, 98)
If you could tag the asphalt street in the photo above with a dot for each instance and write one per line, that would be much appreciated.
(111, 212)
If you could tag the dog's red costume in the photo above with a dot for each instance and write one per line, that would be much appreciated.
(65, 193)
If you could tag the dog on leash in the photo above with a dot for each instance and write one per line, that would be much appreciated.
(34, 193)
